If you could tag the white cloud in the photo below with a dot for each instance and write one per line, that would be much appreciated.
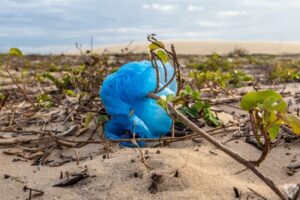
(20, 31)
(231, 13)
(209, 24)
(50, 23)
(160, 7)
(36, 3)
(119, 30)
(192, 8)
(265, 3)
(53, 2)
(145, 6)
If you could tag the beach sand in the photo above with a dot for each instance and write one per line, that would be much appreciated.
(204, 172)
(197, 47)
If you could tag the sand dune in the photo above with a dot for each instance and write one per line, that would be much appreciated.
(208, 47)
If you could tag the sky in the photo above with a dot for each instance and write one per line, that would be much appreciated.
(45, 26)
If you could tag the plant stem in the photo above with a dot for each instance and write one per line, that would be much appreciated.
(266, 148)
(254, 127)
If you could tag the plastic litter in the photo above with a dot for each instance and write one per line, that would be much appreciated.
(124, 95)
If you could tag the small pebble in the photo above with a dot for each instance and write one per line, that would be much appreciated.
(135, 174)
(6, 176)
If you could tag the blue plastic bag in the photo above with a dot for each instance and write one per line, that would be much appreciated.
(124, 95)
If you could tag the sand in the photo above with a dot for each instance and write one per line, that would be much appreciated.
(198, 47)
(204, 173)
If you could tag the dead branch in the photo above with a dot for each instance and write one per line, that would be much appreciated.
(16, 140)
(16, 83)
(143, 160)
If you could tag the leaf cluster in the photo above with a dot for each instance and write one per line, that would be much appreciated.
(44, 100)
(217, 80)
(268, 110)
(283, 74)
(214, 62)
(15, 52)
(158, 48)
(190, 104)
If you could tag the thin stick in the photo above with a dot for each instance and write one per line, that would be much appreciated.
(77, 156)
(177, 69)
(143, 160)
(164, 66)
(258, 194)
(18, 86)
(167, 84)
(173, 127)
(154, 64)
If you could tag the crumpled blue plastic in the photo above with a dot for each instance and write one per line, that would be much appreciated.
(124, 95)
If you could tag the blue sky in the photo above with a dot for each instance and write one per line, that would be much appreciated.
(55, 25)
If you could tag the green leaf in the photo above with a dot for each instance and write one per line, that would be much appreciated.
(155, 45)
(272, 118)
(182, 93)
(253, 99)
(193, 111)
(175, 99)
(184, 110)
(163, 56)
(188, 89)
(163, 102)
(70, 93)
(273, 131)
(292, 121)
(15, 52)
(196, 94)
(102, 118)
(272, 103)
(199, 105)
(170, 98)
(210, 118)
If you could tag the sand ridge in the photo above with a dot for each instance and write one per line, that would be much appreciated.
(198, 47)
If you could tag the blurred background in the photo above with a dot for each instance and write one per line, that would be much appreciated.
(52, 26)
